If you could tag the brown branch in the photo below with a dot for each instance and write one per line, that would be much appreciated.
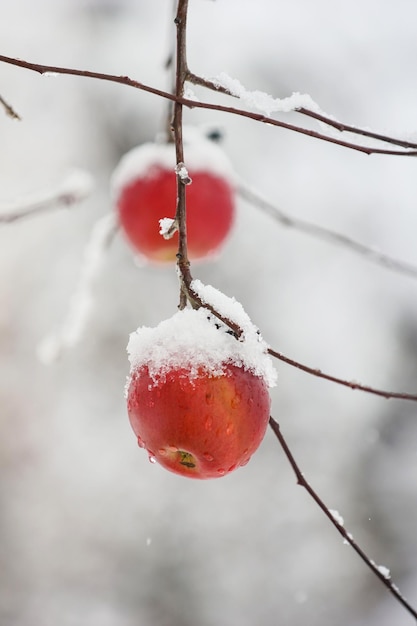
(339, 527)
(320, 232)
(397, 395)
(340, 126)
(125, 80)
(183, 262)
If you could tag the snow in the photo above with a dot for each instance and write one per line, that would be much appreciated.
(165, 225)
(262, 101)
(81, 304)
(200, 154)
(196, 340)
(182, 172)
(337, 517)
(384, 571)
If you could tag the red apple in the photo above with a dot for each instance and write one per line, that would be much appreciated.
(197, 397)
(199, 426)
(144, 190)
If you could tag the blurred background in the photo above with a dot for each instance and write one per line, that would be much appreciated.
(91, 533)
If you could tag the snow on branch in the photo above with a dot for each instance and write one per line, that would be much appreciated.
(81, 303)
(125, 80)
(77, 186)
(261, 101)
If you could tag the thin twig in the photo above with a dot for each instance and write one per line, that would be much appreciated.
(75, 188)
(379, 572)
(183, 262)
(125, 80)
(9, 109)
(340, 381)
(320, 232)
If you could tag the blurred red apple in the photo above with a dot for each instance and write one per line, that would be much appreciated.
(144, 190)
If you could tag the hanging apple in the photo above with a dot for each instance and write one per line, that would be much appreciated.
(144, 191)
(197, 397)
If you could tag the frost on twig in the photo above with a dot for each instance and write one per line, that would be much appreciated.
(167, 227)
(261, 101)
(77, 186)
(81, 303)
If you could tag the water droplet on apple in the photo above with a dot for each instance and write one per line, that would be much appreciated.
(162, 451)
(208, 423)
(221, 471)
(173, 448)
(250, 401)
(235, 401)
(245, 451)
(152, 459)
(232, 467)
(208, 456)
(244, 462)
(229, 428)
(141, 443)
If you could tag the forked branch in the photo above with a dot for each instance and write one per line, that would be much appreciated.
(125, 80)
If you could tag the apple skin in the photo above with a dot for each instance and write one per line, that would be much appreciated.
(151, 197)
(199, 427)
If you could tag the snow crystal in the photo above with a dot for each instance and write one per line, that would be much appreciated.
(196, 340)
(78, 184)
(337, 517)
(384, 571)
(81, 302)
(182, 172)
(190, 95)
(200, 154)
(165, 225)
(262, 101)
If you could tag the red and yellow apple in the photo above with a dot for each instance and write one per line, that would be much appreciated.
(144, 190)
(197, 396)
(201, 425)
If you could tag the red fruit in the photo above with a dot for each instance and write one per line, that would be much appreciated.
(144, 186)
(197, 397)
(200, 427)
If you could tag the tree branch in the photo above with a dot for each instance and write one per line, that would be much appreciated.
(377, 571)
(340, 381)
(125, 80)
(325, 234)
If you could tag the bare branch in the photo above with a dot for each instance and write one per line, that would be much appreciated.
(125, 80)
(377, 571)
(75, 188)
(320, 232)
(9, 109)
(183, 262)
(340, 381)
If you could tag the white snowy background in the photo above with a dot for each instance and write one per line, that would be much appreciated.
(91, 533)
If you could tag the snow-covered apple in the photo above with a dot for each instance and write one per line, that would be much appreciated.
(197, 397)
(144, 192)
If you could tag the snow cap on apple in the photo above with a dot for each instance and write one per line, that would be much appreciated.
(144, 192)
(198, 397)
